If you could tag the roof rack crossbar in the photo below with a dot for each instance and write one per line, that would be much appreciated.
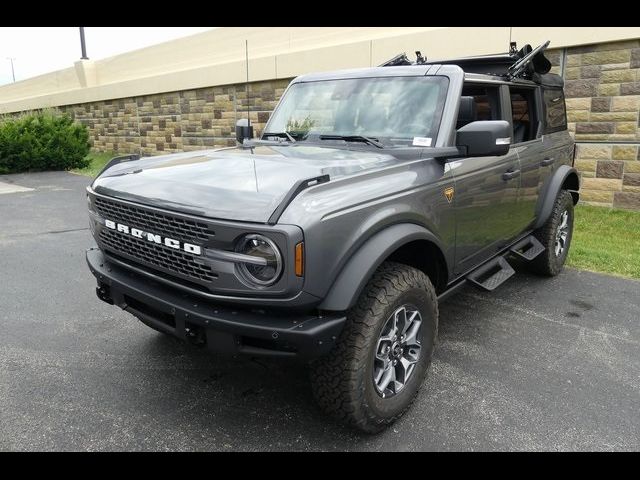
(400, 59)
(521, 63)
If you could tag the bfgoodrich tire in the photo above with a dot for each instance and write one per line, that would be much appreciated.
(381, 358)
(555, 235)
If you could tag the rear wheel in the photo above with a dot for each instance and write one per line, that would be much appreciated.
(555, 235)
(382, 356)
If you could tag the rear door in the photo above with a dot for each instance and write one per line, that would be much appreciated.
(558, 146)
(527, 142)
(486, 188)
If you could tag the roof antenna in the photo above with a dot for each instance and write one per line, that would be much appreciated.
(420, 60)
(246, 51)
(244, 129)
(513, 48)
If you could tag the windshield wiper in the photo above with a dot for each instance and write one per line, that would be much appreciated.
(281, 135)
(353, 138)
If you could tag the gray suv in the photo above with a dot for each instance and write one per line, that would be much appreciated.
(371, 195)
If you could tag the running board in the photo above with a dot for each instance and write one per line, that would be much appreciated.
(492, 274)
(527, 248)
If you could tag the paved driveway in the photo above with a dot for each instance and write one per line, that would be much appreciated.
(538, 364)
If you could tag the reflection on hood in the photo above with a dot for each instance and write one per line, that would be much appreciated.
(238, 184)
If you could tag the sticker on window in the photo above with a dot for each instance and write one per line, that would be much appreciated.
(421, 141)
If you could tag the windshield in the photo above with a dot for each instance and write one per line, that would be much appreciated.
(393, 110)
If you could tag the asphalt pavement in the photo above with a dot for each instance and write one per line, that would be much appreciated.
(538, 364)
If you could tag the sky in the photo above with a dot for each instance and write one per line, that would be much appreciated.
(38, 50)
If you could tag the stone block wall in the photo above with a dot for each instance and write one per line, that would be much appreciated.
(177, 121)
(610, 174)
(602, 88)
(602, 94)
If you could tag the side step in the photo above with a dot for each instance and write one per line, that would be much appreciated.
(528, 248)
(490, 275)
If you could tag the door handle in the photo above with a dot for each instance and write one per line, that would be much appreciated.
(547, 161)
(511, 174)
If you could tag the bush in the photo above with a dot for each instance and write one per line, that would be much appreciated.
(42, 141)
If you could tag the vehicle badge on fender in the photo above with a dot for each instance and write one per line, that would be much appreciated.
(448, 192)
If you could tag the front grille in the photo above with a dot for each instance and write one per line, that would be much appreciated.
(112, 255)
(164, 258)
(159, 223)
(156, 255)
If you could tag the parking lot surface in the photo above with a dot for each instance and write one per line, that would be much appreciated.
(539, 364)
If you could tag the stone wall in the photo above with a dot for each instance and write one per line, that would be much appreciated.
(602, 92)
(603, 100)
(177, 121)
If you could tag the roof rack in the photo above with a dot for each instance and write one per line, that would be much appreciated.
(525, 63)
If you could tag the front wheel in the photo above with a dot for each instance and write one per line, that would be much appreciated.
(555, 235)
(382, 356)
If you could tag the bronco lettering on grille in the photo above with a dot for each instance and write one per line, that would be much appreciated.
(152, 237)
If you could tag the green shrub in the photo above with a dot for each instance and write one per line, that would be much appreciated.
(42, 141)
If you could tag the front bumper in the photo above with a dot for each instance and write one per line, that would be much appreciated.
(222, 328)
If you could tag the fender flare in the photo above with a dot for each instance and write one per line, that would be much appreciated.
(545, 206)
(360, 267)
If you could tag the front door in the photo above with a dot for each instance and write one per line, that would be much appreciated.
(486, 189)
(486, 200)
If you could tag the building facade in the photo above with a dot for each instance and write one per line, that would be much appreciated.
(158, 100)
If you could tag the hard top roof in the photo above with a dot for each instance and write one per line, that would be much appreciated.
(525, 66)
(432, 68)
(499, 66)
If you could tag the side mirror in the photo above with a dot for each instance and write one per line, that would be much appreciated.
(243, 130)
(485, 138)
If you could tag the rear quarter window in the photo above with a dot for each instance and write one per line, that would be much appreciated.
(554, 110)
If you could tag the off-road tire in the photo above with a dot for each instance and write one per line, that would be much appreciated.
(548, 263)
(342, 381)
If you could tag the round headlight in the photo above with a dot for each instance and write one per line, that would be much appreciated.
(265, 272)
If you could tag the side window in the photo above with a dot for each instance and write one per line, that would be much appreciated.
(479, 102)
(554, 110)
(525, 119)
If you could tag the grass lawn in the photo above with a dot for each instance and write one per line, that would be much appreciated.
(606, 240)
(98, 161)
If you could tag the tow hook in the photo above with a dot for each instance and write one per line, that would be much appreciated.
(104, 293)
(195, 335)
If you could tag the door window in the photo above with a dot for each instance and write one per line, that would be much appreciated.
(554, 109)
(525, 119)
(486, 101)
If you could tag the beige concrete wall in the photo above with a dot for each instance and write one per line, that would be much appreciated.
(188, 93)
(217, 57)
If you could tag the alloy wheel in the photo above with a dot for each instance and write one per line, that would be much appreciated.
(397, 351)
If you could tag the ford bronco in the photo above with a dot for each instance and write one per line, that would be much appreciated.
(370, 196)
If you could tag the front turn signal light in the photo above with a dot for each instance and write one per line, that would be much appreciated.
(299, 263)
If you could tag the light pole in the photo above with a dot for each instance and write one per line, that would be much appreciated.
(13, 73)
(82, 45)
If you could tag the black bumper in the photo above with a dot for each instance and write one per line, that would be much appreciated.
(222, 328)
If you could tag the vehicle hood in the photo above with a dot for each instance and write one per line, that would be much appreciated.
(236, 184)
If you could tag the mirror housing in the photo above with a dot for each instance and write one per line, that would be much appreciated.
(243, 130)
(485, 138)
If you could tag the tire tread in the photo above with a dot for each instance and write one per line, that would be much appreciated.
(337, 378)
(545, 263)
